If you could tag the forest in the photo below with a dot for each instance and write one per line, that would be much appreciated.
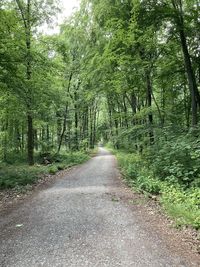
(123, 73)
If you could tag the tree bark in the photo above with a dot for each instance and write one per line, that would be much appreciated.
(191, 79)
(149, 104)
(65, 117)
(125, 112)
(192, 84)
(28, 70)
(63, 130)
(30, 140)
(76, 120)
(26, 17)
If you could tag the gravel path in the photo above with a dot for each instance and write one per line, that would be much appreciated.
(82, 220)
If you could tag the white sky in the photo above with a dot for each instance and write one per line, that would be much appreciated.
(68, 7)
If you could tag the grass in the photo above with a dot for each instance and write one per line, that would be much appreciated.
(20, 174)
(183, 205)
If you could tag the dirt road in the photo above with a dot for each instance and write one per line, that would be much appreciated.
(85, 220)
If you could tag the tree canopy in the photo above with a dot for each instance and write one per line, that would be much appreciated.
(127, 72)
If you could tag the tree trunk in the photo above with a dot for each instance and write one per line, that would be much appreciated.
(76, 121)
(69, 136)
(28, 70)
(132, 100)
(194, 93)
(191, 79)
(125, 111)
(94, 127)
(110, 116)
(91, 129)
(36, 139)
(30, 140)
(22, 140)
(26, 17)
(48, 133)
(149, 104)
(117, 133)
(63, 130)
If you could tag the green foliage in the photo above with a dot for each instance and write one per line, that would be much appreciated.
(176, 158)
(182, 204)
(20, 174)
(130, 164)
(121, 81)
(148, 184)
(53, 169)
(12, 177)
(133, 168)
(71, 158)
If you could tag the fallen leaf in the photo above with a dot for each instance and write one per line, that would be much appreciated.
(19, 225)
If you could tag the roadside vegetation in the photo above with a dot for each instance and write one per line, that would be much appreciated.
(19, 174)
(48, 115)
(178, 195)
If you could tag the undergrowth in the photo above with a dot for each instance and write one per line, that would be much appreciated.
(20, 174)
(180, 202)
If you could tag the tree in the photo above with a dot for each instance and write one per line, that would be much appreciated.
(33, 13)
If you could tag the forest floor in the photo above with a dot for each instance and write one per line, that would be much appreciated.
(89, 217)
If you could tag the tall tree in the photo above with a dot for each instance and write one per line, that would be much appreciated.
(33, 13)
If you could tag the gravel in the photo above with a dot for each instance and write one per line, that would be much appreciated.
(85, 219)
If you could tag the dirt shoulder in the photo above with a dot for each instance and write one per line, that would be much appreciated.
(183, 241)
(12, 197)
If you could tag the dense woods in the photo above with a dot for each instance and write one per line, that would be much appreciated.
(123, 72)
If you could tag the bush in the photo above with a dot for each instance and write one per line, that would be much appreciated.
(20, 175)
(181, 202)
(53, 169)
(148, 184)
(10, 178)
(182, 205)
(132, 167)
(129, 163)
(176, 159)
(61, 167)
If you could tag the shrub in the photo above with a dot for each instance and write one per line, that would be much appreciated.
(53, 169)
(148, 184)
(20, 175)
(10, 178)
(181, 202)
(61, 167)
(182, 205)
(175, 159)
